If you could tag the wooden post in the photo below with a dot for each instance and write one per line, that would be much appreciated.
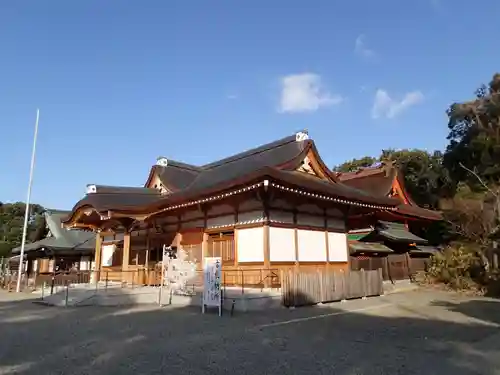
(97, 258)
(267, 257)
(408, 265)
(327, 245)
(235, 236)
(296, 239)
(146, 262)
(204, 246)
(125, 256)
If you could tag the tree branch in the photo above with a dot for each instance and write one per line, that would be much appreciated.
(495, 194)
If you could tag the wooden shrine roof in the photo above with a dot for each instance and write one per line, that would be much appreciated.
(379, 181)
(276, 161)
(60, 238)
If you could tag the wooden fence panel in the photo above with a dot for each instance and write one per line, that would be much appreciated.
(299, 289)
(355, 285)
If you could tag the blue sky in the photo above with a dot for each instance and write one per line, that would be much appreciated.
(119, 83)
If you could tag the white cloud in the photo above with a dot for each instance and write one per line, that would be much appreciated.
(361, 49)
(385, 106)
(232, 97)
(305, 93)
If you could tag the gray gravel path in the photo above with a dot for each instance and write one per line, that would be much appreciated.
(418, 332)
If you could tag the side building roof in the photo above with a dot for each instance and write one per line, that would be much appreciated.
(379, 181)
(60, 238)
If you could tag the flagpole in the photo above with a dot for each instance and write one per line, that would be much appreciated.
(27, 212)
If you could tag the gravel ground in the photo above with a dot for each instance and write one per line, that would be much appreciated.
(418, 332)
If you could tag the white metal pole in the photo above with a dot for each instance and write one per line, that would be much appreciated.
(28, 198)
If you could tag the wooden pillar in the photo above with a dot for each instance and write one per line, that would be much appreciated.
(97, 258)
(296, 239)
(204, 243)
(235, 236)
(204, 246)
(146, 262)
(325, 217)
(266, 244)
(125, 256)
(44, 265)
(346, 229)
(178, 240)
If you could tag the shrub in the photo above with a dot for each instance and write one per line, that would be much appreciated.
(458, 266)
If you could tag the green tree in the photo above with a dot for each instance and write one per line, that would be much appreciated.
(11, 225)
(474, 138)
(355, 164)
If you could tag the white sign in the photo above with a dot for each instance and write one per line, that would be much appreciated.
(107, 255)
(212, 293)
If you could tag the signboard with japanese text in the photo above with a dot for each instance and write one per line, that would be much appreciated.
(212, 293)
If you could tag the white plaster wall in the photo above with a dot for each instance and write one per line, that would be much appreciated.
(281, 244)
(311, 220)
(312, 246)
(251, 217)
(280, 217)
(250, 245)
(336, 224)
(107, 255)
(337, 247)
(220, 221)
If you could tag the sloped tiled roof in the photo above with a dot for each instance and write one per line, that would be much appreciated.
(277, 159)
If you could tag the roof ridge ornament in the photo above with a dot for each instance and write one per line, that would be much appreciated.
(162, 161)
(301, 136)
(91, 189)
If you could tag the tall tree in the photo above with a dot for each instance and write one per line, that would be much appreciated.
(11, 225)
(474, 138)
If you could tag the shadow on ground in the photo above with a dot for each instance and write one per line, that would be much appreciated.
(408, 334)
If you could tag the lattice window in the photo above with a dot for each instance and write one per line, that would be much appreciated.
(222, 245)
